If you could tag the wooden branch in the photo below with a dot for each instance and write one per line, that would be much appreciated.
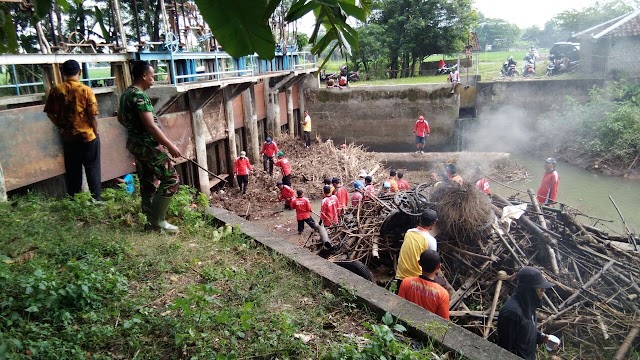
(626, 344)
(496, 296)
(543, 224)
(591, 281)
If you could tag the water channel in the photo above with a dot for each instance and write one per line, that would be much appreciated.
(589, 192)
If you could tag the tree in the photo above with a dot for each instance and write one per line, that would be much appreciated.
(532, 35)
(498, 33)
(574, 21)
(373, 47)
(419, 28)
(302, 40)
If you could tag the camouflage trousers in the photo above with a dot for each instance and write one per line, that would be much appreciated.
(155, 170)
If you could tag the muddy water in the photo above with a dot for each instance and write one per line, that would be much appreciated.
(579, 188)
(584, 190)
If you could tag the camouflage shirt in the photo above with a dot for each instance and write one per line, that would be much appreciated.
(132, 102)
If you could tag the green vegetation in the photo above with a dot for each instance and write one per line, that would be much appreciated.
(606, 129)
(86, 281)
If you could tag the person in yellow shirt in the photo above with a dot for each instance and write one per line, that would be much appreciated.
(306, 129)
(416, 241)
(73, 109)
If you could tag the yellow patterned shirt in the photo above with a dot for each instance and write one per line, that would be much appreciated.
(72, 104)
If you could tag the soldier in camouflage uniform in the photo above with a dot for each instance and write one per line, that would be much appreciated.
(149, 146)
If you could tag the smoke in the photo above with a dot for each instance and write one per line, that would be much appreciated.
(507, 129)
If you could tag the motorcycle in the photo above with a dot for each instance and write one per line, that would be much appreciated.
(354, 75)
(446, 69)
(324, 76)
(509, 69)
(528, 69)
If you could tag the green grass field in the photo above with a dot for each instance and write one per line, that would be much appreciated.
(488, 68)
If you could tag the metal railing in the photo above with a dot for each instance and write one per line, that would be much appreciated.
(218, 65)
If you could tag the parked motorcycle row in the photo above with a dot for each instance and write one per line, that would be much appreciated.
(557, 65)
(342, 78)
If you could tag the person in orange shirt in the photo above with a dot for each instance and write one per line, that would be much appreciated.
(342, 194)
(423, 290)
(403, 185)
(393, 180)
(73, 109)
(303, 209)
(242, 168)
(329, 207)
(452, 173)
(285, 165)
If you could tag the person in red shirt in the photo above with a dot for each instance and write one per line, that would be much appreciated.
(342, 194)
(483, 185)
(268, 151)
(303, 210)
(285, 165)
(356, 198)
(329, 207)
(548, 191)
(421, 130)
(369, 188)
(241, 169)
(403, 185)
(423, 290)
(286, 193)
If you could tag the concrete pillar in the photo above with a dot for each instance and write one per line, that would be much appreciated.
(273, 109)
(290, 118)
(251, 123)
(301, 104)
(199, 136)
(231, 131)
(3, 186)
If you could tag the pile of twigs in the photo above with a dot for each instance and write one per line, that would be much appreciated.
(594, 305)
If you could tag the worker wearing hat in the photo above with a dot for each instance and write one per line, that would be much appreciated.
(242, 168)
(421, 131)
(359, 183)
(268, 151)
(517, 330)
(72, 108)
(548, 190)
(285, 165)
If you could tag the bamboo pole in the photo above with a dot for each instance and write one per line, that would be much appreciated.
(593, 279)
(487, 329)
(626, 344)
(543, 224)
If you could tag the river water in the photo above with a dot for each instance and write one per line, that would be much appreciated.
(586, 191)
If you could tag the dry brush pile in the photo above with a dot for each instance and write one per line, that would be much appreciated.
(594, 305)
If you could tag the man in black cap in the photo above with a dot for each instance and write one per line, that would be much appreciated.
(517, 319)
(73, 109)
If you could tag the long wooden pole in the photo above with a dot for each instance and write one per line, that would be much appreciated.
(494, 304)
(543, 224)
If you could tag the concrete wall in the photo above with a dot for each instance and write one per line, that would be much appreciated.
(382, 117)
(618, 54)
(532, 97)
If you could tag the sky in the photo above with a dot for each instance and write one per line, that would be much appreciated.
(535, 13)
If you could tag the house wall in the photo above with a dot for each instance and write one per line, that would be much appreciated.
(624, 55)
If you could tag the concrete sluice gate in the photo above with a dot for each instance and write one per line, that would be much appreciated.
(211, 120)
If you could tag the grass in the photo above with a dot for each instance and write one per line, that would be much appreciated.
(86, 281)
(488, 68)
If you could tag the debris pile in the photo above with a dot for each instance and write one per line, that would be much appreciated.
(484, 242)
(309, 167)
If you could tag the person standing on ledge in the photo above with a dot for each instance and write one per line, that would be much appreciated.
(149, 145)
(306, 129)
(548, 191)
(73, 109)
(421, 130)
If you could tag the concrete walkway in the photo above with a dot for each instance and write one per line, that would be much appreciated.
(421, 324)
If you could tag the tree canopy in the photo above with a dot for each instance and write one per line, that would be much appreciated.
(498, 33)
